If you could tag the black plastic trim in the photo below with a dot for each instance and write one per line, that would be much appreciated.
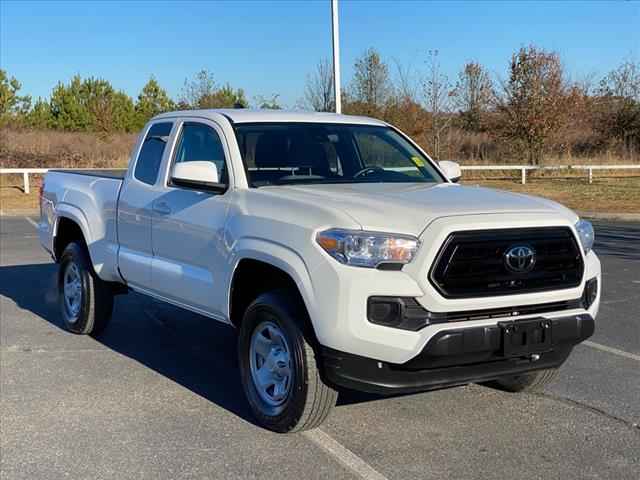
(366, 375)
(453, 357)
(590, 293)
(218, 188)
(517, 311)
(390, 266)
(229, 119)
(415, 317)
(409, 313)
(115, 174)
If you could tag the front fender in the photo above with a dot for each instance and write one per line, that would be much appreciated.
(279, 256)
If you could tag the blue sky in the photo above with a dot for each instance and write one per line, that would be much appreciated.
(269, 47)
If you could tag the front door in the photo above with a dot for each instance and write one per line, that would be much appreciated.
(188, 226)
(135, 207)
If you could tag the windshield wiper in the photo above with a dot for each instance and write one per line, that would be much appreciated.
(298, 179)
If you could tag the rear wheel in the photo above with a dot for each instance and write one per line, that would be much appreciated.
(86, 302)
(526, 382)
(278, 366)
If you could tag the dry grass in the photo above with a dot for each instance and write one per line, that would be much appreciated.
(620, 194)
(615, 195)
(12, 199)
(50, 148)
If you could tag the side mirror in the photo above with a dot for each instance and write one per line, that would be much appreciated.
(451, 170)
(197, 174)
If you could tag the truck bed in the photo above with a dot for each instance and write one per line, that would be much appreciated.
(90, 199)
(116, 173)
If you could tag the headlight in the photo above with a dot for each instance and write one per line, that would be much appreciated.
(586, 234)
(367, 249)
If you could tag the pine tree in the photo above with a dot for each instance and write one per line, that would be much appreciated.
(152, 100)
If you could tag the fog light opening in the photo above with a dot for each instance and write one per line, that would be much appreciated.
(590, 293)
(384, 311)
(397, 312)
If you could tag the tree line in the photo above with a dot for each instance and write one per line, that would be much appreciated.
(537, 111)
(94, 105)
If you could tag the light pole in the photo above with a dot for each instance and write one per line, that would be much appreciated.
(336, 55)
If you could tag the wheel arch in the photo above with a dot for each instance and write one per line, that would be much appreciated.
(102, 251)
(69, 226)
(263, 266)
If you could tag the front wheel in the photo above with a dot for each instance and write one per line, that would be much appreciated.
(278, 367)
(86, 302)
(526, 382)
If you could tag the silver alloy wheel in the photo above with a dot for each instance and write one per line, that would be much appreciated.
(72, 291)
(270, 363)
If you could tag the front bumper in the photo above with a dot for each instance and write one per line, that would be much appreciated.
(455, 357)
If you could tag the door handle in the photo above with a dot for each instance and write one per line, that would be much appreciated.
(162, 208)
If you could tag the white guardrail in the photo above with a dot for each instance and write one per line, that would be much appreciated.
(25, 172)
(525, 168)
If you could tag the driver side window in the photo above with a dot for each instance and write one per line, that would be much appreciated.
(200, 142)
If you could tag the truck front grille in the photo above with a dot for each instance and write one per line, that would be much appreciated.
(473, 264)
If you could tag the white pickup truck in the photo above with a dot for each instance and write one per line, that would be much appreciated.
(342, 254)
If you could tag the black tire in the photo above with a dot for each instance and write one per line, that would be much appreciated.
(308, 400)
(90, 314)
(527, 382)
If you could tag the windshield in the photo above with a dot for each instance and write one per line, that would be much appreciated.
(303, 153)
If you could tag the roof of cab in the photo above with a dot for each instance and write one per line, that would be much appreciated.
(245, 115)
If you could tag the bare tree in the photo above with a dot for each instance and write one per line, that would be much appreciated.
(619, 106)
(402, 107)
(473, 95)
(407, 85)
(437, 94)
(318, 92)
(203, 92)
(371, 85)
(202, 87)
(269, 102)
(623, 82)
(586, 82)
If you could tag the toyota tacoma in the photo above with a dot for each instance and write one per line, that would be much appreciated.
(341, 253)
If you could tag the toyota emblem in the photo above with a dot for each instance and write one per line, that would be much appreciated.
(520, 259)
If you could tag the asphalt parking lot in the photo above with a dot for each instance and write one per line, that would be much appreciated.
(158, 396)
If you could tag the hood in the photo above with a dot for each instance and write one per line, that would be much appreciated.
(409, 208)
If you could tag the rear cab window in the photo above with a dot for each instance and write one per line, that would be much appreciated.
(150, 156)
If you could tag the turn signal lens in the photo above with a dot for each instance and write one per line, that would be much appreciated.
(367, 249)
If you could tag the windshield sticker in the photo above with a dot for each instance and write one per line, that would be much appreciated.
(418, 161)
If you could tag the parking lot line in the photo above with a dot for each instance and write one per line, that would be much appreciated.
(615, 351)
(345, 456)
(32, 222)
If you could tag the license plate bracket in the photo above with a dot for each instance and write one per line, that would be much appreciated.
(524, 337)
